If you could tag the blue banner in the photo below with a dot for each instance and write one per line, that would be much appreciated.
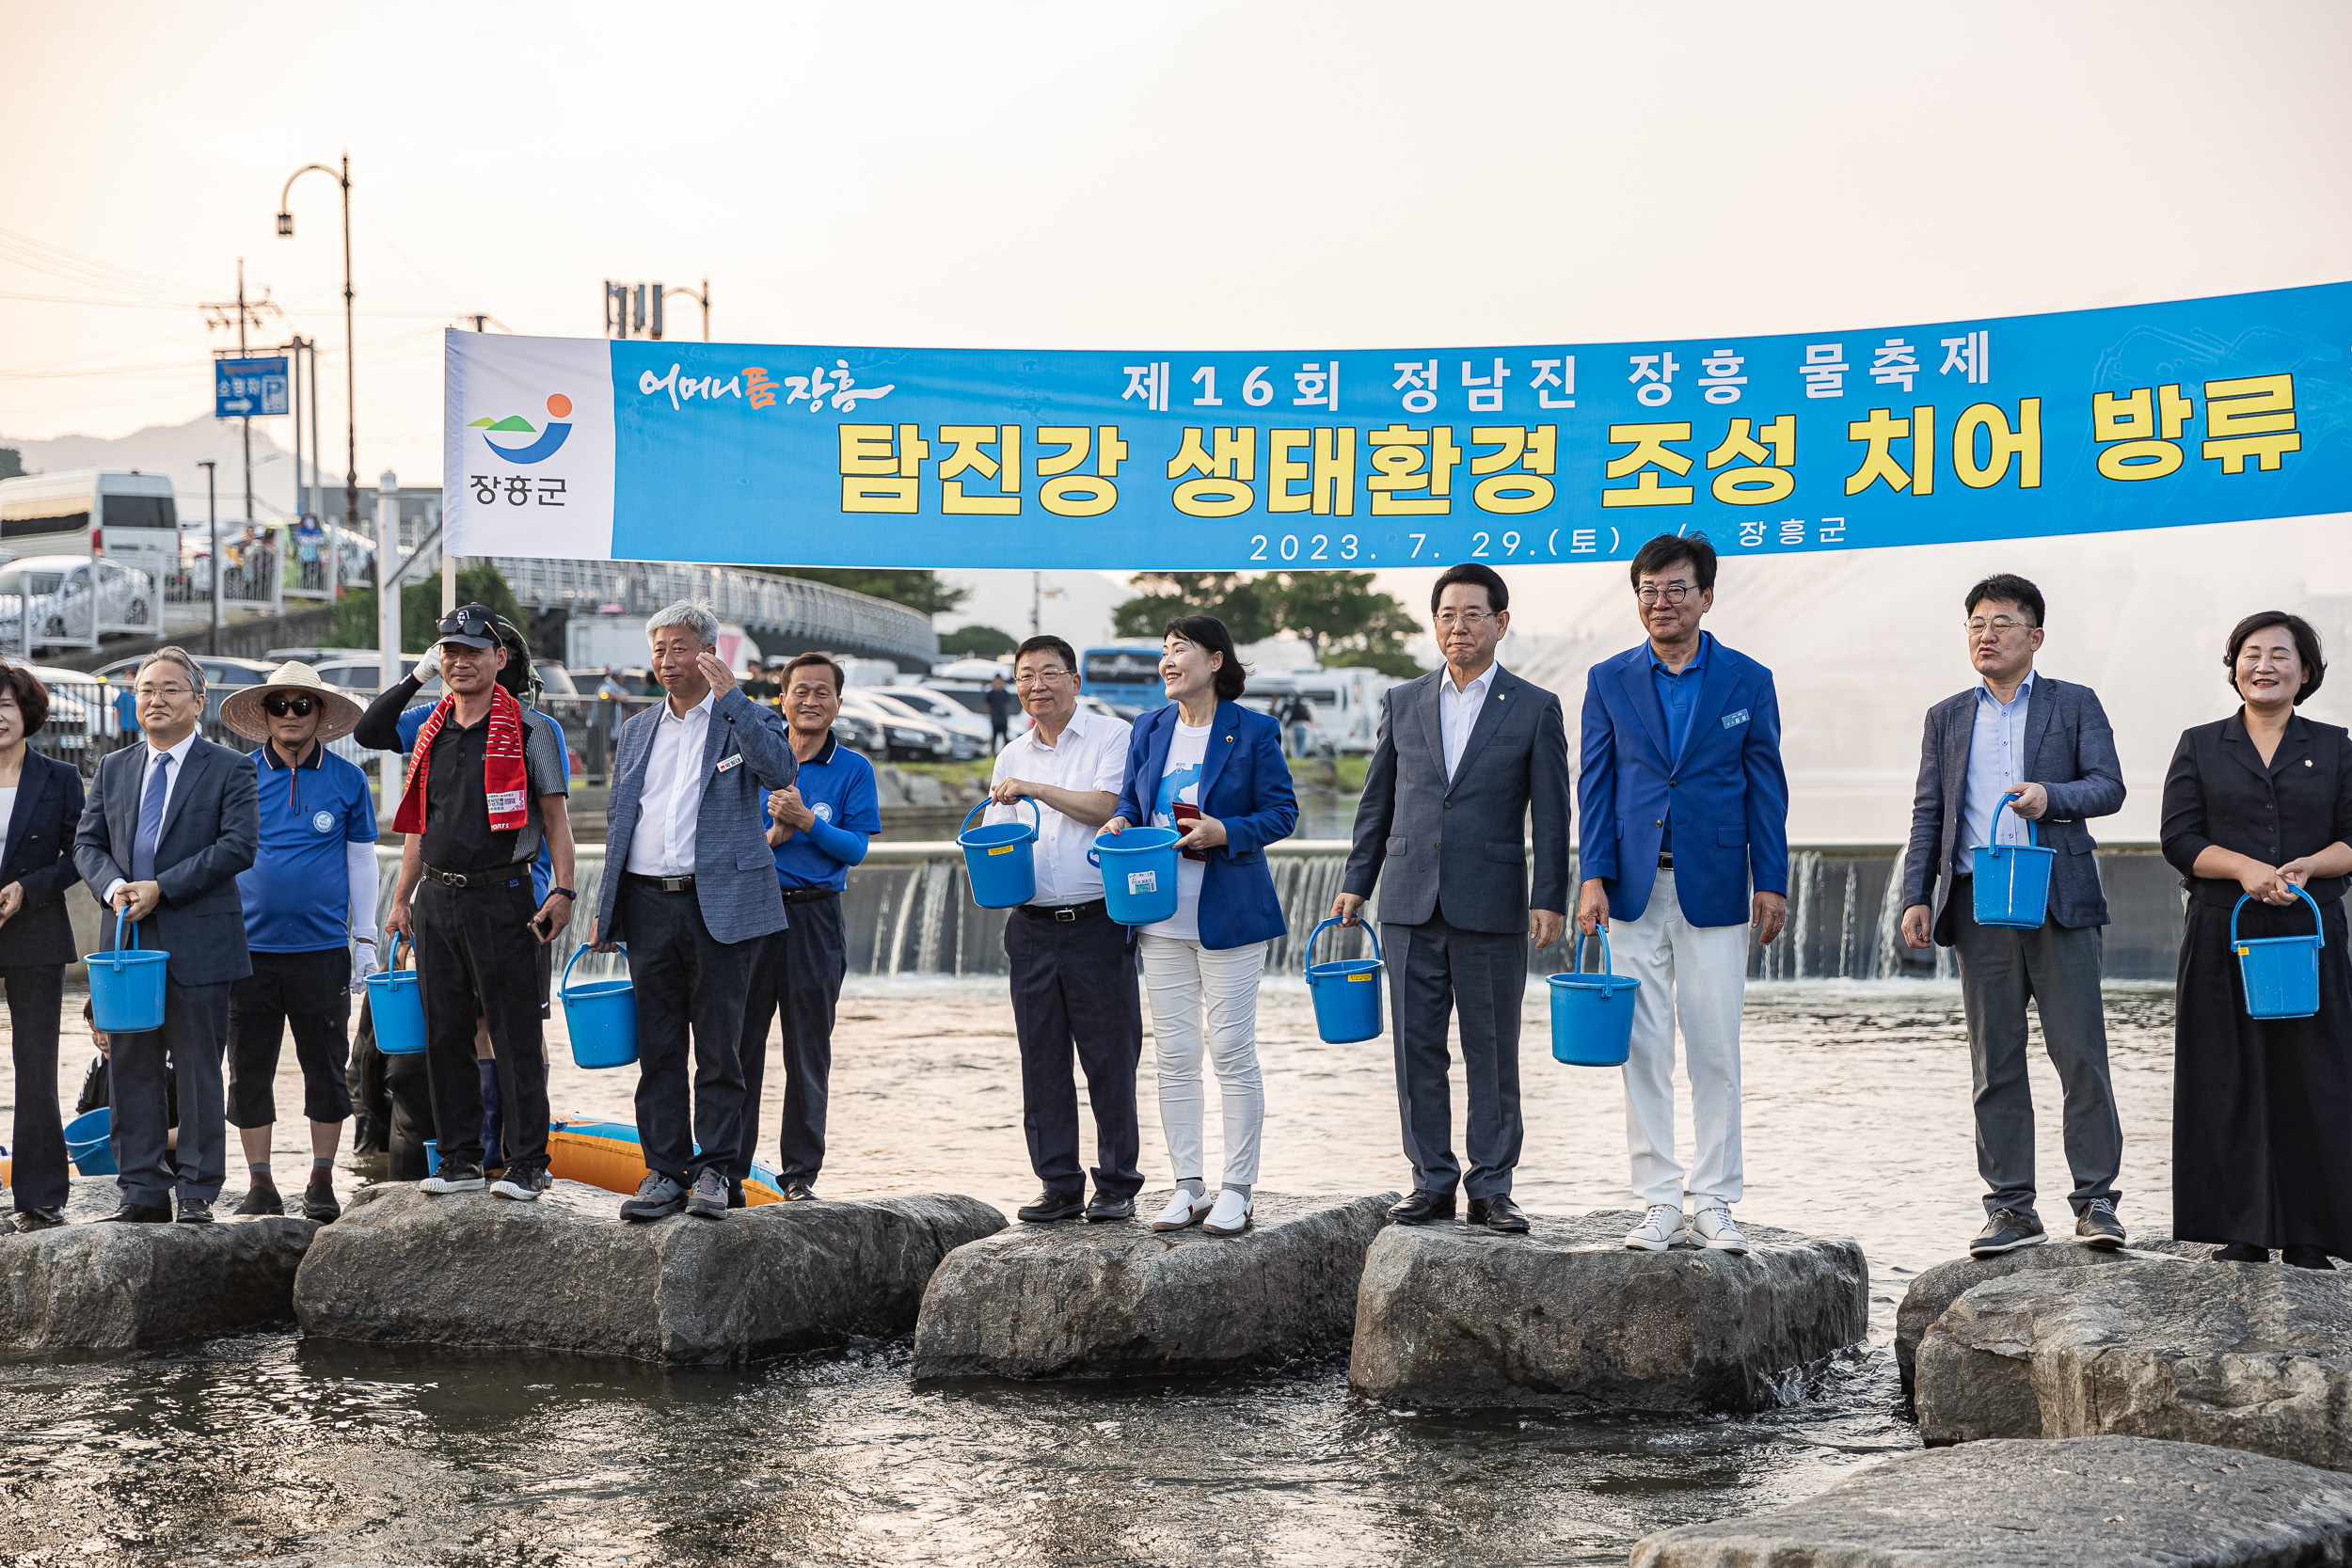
(2133, 417)
(249, 388)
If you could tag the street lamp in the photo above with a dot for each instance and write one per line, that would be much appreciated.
(351, 344)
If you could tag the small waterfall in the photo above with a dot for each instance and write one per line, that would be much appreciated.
(1886, 961)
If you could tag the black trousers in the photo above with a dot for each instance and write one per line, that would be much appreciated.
(1438, 971)
(196, 1027)
(685, 977)
(1074, 989)
(310, 991)
(476, 957)
(35, 1002)
(799, 972)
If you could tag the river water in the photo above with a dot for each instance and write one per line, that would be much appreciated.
(268, 1447)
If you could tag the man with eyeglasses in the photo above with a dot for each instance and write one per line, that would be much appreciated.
(169, 825)
(2046, 743)
(1470, 769)
(1685, 851)
(1073, 967)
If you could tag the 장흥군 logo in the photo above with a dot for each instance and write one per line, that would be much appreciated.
(550, 440)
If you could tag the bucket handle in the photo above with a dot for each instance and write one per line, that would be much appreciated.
(565, 988)
(2032, 842)
(119, 916)
(1608, 970)
(2244, 900)
(392, 953)
(1326, 925)
(1035, 821)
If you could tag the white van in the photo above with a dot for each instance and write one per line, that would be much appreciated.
(129, 518)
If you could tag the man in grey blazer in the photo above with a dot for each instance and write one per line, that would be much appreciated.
(1465, 756)
(689, 885)
(169, 825)
(2048, 743)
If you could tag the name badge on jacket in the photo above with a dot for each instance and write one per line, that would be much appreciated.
(1733, 721)
(735, 760)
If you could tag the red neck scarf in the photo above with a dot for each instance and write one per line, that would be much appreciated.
(503, 774)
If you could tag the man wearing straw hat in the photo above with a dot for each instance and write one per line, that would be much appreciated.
(310, 922)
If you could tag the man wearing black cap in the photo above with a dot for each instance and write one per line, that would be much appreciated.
(487, 781)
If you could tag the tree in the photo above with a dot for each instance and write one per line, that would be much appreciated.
(977, 641)
(421, 608)
(1337, 614)
(11, 463)
(1232, 597)
(921, 592)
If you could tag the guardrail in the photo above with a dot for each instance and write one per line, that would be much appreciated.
(813, 614)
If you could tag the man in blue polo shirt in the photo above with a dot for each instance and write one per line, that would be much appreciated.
(819, 827)
(310, 922)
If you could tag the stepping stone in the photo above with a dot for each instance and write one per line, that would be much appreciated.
(2083, 1502)
(86, 1287)
(1931, 1292)
(1569, 1316)
(1074, 1300)
(2239, 1356)
(565, 1273)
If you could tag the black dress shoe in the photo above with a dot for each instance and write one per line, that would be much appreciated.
(139, 1213)
(735, 1194)
(1497, 1213)
(2241, 1252)
(194, 1210)
(797, 1191)
(260, 1198)
(1051, 1205)
(2305, 1258)
(1107, 1208)
(39, 1219)
(1423, 1208)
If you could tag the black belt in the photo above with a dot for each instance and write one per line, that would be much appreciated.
(1066, 915)
(661, 884)
(506, 875)
(810, 894)
(1665, 860)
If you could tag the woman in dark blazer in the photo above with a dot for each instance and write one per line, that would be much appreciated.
(1212, 769)
(2256, 806)
(43, 802)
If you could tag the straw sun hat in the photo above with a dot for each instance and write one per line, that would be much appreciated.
(242, 711)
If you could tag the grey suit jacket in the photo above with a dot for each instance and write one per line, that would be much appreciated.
(744, 755)
(1462, 842)
(2070, 752)
(210, 831)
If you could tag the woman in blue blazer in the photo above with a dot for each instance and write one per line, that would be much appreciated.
(1208, 767)
(40, 805)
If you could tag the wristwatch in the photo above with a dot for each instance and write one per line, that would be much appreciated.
(566, 891)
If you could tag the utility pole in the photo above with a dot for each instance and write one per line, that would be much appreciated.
(241, 314)
(212, 513)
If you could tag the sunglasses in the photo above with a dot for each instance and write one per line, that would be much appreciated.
(279, 707)
(465, 623)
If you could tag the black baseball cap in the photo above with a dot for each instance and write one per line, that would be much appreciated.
(474, 625)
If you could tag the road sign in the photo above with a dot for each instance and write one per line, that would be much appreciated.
(249, 388)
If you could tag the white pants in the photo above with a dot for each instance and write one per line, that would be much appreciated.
(1188, 981)
(1700, 975)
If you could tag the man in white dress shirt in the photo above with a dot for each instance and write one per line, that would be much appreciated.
(1073, 967)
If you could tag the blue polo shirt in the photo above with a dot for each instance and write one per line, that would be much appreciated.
(297, 892)
(1678, 694)
(838, 786)
(541, 869)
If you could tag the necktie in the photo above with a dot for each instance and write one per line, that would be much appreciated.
(150, 819)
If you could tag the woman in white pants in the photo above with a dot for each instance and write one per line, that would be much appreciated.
(1214, 771)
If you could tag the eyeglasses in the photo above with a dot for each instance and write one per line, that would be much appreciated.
(170, 694)
(1039, 677)
(1470, 620)
(278, 707)
(1673, 594)
(2000, 626)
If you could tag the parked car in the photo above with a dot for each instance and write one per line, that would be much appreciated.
(944, 710)
(80, 715)
(962, 745)
(860, 734)
(72, 599)
(554, 679)
(223, 675)
(362, 674)
(909, 736)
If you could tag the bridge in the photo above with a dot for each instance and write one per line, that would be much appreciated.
(784, 615)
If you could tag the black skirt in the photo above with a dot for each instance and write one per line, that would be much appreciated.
(2262, 1108)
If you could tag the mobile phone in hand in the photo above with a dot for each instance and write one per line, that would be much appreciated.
(1183, 814)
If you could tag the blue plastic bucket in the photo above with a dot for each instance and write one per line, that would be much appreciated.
(2012, 881)
(1592, 1015)
(601, 1018)
(432, 1157)
(88, 1143)
(1138, 874)
(1346, 991)
(126, 986)
(2280, 974)
(998, 858)
(395, 1006)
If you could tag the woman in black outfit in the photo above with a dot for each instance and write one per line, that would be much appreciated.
(2261, 803)
(43, 801)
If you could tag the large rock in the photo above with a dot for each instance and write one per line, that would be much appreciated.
(2085, 1502)
(1931, 1292)
(1569, 1316)
(2241, 1356)
(1080, 1301)
(89, 1287)
(565, 1274)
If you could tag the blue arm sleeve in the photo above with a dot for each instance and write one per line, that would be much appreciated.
(1768, 797)
(1275, 809)
(1596, 786)
(836, 843)
(1129, 806)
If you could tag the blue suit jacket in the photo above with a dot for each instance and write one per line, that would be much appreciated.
(1725, 795)
(734, 871)
(1246, 785)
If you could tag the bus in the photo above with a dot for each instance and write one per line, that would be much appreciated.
(130, 518)
(1127, 677)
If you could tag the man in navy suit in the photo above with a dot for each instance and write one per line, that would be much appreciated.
(1685, 809)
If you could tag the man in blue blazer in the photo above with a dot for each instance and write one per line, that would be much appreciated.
(2048, 743)
(1686, 810)
(689, 885)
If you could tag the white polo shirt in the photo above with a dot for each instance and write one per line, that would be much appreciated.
(1091, 754)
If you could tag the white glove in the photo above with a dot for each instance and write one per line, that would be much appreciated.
(429, 667)
(363, 963)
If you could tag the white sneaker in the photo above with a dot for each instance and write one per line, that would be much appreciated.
(1663, 1229)
(1712, 1226)
(1182, 1210)
(1231, 1216)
